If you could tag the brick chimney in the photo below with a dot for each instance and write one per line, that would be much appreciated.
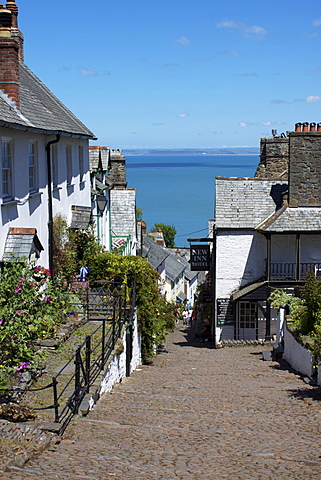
(11, 50)
(305, 166)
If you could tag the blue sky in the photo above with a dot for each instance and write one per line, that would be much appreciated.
(178, 73)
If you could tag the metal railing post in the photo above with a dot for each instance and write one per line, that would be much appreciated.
(77, 380)
(103, 340)
(114, 325)
(87, 363)
(55, 395)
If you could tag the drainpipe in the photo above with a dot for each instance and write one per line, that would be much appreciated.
(50, 215)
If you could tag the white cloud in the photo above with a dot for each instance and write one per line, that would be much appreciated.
(245, 30)
(183, 41)
(312, 98)
(87, 72)
(245, 124)
(316, 22)
(265, 124)
(182, 115)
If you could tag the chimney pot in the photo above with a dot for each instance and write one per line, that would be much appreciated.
(298, 127)
(305, 127)
(312, 127)
(319, 127)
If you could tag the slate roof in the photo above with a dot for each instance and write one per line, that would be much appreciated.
(21, 243)
(183, 256)
(256, 203)
(155, 254)
(173, 267)
(99, 158)
(244, 202)
(293, 219)
(40, 110)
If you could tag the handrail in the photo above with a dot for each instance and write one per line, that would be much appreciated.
(89, 359)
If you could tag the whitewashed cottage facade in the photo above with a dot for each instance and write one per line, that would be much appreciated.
(44, 149)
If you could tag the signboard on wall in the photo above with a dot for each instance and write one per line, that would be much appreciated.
(225, 311)
(200, 257)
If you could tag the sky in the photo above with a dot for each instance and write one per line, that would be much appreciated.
(178, 73)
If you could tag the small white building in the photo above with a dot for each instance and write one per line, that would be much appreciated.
(267, 236)
(44, 151)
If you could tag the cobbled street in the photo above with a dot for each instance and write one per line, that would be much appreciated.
(196, 413)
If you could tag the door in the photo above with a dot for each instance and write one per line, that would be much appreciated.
(247, 321)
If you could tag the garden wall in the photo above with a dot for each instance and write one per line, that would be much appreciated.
(116, 369)
(297, 356)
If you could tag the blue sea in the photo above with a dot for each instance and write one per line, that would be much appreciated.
(178, 190)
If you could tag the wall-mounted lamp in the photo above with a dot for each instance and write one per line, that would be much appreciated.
(101, 202)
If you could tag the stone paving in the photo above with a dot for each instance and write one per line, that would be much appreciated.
(196, 413)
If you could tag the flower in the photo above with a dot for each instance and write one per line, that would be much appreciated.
(19, 312)
(47, 299)
(1, 321)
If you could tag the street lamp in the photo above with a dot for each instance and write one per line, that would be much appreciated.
(101, 202)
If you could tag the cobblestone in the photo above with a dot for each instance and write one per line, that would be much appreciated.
(196, 413)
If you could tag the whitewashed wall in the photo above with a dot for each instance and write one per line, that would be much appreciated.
(240, 260)
(31, 211)
(296, 355)
(117, 368)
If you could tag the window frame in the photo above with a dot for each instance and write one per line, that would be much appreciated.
(33, 166)
(69, 171)
(81, 163)
(7, 171)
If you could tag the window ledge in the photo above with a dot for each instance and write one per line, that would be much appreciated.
(9, 202)
(35, 194)
(55, 189)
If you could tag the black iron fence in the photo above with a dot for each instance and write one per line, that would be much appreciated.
(112, 306)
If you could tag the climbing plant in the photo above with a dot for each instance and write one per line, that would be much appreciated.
(156, 315)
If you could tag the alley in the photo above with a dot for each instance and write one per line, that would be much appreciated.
(196, 413)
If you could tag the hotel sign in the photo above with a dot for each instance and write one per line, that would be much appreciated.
(200, 257)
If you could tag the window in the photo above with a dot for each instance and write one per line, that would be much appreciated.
(54, 164)
(247, 315)
(68, 164)
(33, 166)
(6, 153)
(81, 163)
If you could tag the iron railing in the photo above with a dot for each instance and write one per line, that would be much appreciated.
(110, 304)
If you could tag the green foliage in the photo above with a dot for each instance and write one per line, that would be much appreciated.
(139, 214)
(71, 248)
(31, 307)
(156, 316)
(305, 311)
(169, 232)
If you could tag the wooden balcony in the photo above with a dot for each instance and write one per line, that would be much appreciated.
(284, 272)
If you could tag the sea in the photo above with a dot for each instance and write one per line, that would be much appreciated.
(179, 190)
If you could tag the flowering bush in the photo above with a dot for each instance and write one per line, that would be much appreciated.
(31, 307)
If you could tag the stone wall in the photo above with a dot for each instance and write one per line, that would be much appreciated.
(117, 171)
(274, 158)
(305, 169)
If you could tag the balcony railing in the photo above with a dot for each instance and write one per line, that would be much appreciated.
(288, 271)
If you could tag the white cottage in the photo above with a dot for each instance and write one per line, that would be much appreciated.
(44, 149)
(267, 235)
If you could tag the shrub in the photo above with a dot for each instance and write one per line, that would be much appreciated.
(31, 307)
(156, 315)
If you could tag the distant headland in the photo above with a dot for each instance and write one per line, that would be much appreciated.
(193, 151)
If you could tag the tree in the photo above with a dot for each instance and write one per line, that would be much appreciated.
(169, 232)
